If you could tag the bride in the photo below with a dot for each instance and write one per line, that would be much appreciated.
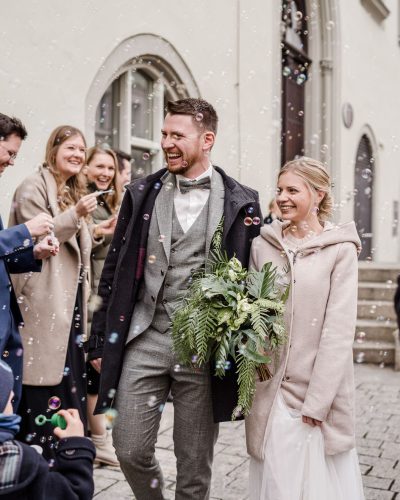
(300, 432)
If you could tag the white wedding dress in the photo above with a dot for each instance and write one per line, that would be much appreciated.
(295, 466)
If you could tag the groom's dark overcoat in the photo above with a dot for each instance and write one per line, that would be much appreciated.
(123, 273)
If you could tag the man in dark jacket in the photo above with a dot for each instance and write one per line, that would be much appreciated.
(25, 474)
(164, 233)
(18, 254)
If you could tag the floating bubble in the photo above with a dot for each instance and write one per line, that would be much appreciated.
(248, 221)
(20, 299)
(51, 462)
(43, 439)
(199, 117)
(122, 318)
(314, 322)
(382, 365)
(152, 401)
(185, 164)
(256, 221)
(113, 338)
(29, 438)
(194, 358)
(228, 365)
(151, 259)
(169, 185)
(298, 15)
(161, 238)
(161, 408)
(154, 483)
(177, 368)
(110, 416)
(5, 354)
(73, 389)
(286, 71)
(366, 173)
(360, 357)
(54, 403)
(145, 156)
(146, 216)
(19, 352)
(300, 113)
(250, 210)
(111, 393)
(301, 79)
(360, 337)
(140, 172)
(157, 185)
(27, 242)
(330, 25)
(141, 187)
(368, 191)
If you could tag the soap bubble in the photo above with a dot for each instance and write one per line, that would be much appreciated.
(6, 354)
(145, 156)
(146, 216)
(250, 210)
(301, 79)
(154, 483)
(27, 242)
(113, 338)
(360, 357)
(110, 416)
(360, 337)
(177, 368)
(54, 403)
(330, 25)
(286, 71)
(152, 401)
(256, 221)
(161, 238)
(298, 15)
(151, 259)
(366, 173)
(248, 221)
(199, 117)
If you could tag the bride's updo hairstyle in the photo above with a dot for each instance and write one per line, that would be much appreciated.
(315, 175)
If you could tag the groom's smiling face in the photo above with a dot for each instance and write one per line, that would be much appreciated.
(182, 142)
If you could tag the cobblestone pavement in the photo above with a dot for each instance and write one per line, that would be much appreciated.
(378, 444)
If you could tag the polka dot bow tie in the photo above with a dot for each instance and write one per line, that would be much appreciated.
(186, 186)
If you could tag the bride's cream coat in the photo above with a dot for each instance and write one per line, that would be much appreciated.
(315, 367)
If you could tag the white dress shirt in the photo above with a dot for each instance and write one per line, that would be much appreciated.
(189, 205)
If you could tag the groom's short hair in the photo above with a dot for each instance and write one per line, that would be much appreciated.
(202, 112)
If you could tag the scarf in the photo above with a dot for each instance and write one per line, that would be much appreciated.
(9, 426)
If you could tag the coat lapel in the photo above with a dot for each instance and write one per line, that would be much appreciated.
(215, 208)
(163, 207)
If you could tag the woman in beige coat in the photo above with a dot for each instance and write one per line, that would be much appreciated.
(54, 301)
(300, 431)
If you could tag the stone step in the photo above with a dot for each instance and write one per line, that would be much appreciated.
(374, 330)
(371, 290)
(381, 310)
(379, 353)
(378, 272)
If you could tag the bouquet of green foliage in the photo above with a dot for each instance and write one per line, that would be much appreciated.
(229, 311)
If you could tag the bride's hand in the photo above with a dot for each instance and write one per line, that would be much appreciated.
(312, 421)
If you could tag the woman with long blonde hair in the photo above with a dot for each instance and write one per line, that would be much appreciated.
(54, 302)
(300, 431)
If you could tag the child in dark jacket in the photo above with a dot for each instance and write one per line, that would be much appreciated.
(25, 474)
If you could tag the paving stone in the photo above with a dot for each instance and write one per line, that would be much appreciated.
(378, 445)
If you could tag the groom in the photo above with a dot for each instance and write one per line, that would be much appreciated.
(164, 232)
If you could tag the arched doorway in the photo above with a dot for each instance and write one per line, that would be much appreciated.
(295, 66)
(363, 191)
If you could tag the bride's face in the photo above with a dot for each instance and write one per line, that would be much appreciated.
(294, 198)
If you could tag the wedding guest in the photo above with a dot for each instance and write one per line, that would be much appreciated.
(18, 254)
(124, 170)
(102, 175)
(164, 231)
(25, 473)
(54, 302)
(273, 212)
(300, 431)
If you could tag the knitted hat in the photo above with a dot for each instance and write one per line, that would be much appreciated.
(6, 384)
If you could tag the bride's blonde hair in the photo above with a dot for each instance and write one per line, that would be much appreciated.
(315, 175)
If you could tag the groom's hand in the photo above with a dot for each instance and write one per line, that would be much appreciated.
(96, 363)
(312, 421)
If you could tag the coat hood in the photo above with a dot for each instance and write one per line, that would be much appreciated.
(332, 234)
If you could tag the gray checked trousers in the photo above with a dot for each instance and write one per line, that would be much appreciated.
(150, 370)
